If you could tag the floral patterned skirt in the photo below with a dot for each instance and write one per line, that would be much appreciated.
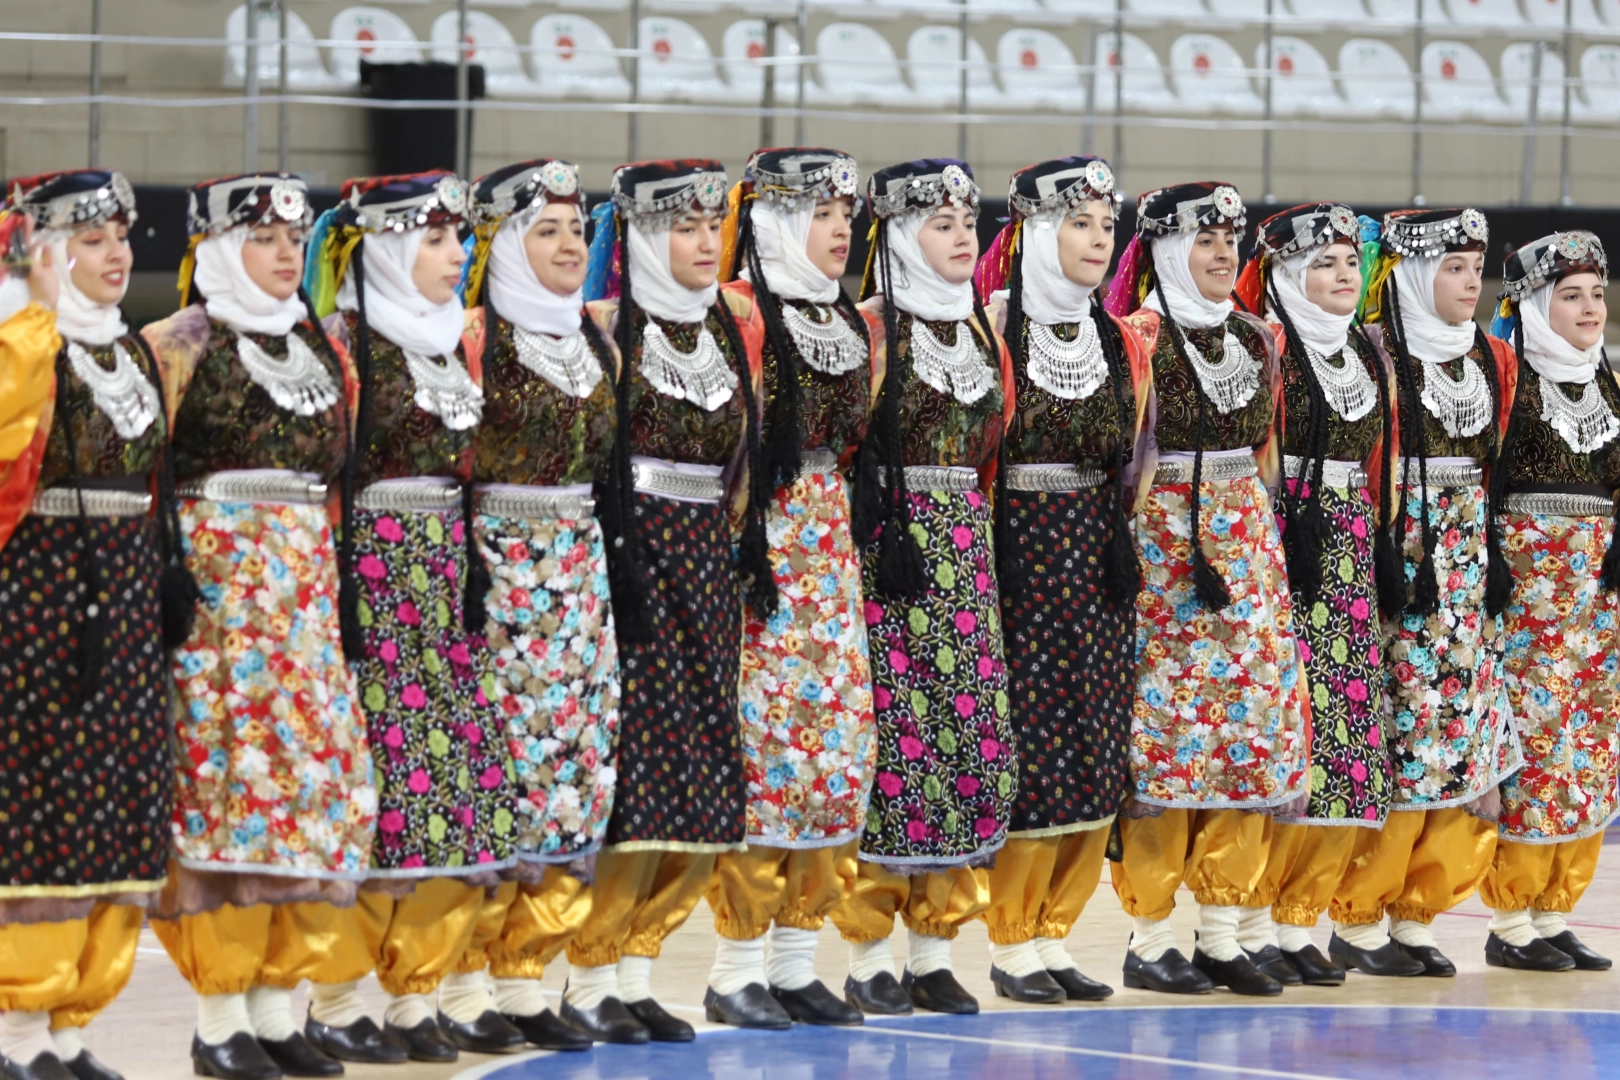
(274, 771)
(809, 736)
(1342, 645)
(1218, 719)
(947, 767)
(446, 800)
(1071, 660)
(680, 737)
(556, 660)
(1562, 670)
(1451, 738)
(86, 780)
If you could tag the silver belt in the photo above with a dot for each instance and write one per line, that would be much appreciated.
(1215, 468)
(817, 462)
(64, 502)
(1335, 474)
(1439, 475)
(936, 478)
(410, 493)
(536, 505)
(1053, 477)
(674, 484)
(248, 488)
(1559, 504)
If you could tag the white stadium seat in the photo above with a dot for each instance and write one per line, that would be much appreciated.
(856, 66)
(1328, 12)
(1141, 77)
(933, 59)
(379, 36)
(1302, 82)
(742, 50)
(676, 64)
(1608, 13)
(304, 68)
(1039, 71)
(1242, 9)
(573, 57)
(1209, 77)
(1551, 13)
(1484, 13)
(1458, 85)
(489, 43)
(1168, 9)
(1600, 82)
(1080, 9)
(1404, 11)
(1515, 67)
(1376, 79)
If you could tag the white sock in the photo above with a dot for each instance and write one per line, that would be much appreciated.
(1217, 931)
(588, 987)
(1549, 923)
(25, 1035)
(1018, 959)
(1151, 938)
(68, 1043)
(519, 997)
(1410, 932)
(1514, 927)
(464, 996)
(1293, 939)
(791, 964)
(635, 978)
(869, 959)
(1254, 930)
(409, 1010)
(219, 1016)
(1054, 957)
(737, 964)
(1369, 936)
(927, 954)
(270, 1009)
(337, 1004)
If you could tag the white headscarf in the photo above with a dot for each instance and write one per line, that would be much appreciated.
(1049, 296)
(395, 307)
(1428, 336)
(1188, 306)
(652, 283)
(918, 288)
(232, 297)
(783, 240)
(1318, 330)
(516, 290)
(1548, 351)
(78, 318)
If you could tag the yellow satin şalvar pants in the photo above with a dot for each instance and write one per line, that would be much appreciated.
(1219, 855)
(524, 926)
(935, 905)
(640, 897)
(72, 969)
(1039, 885)
(1423, 862)
(1304, 865)
(1546, 877)
(232, 949)
(792, 887)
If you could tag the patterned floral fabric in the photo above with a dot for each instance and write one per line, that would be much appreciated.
(832, 408)
(101, 450)
(1452, 736)
(401, 439)
(274, 771)
(1541, 456)
(809, 738)
(939, 429)
(1071, 662)
(446, 796)
(1176, 388)
(1347, 441)
(1047, 429)
(1219, 719)
(1562, 663)
(85, 786)
(556, 662)
(947, 767)
(680, 744)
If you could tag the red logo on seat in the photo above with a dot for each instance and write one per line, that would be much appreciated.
(661, 49)
(1285, 64)
(756, 51)
(1029, 58)
(565, 47)
(1448, 69)
(1201, 63)
(472, 47)
(365, 34)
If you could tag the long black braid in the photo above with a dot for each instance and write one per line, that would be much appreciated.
(93, 640)
(1498, 575)
(1389, 574)
(1426, 594)
(784, 422)
(177, 588)
(1610, 576)
(1011, 572)
(617, 507)
(753, 554)
(1303, 517)
(1124, 578)
(354, 641)
(900, 569)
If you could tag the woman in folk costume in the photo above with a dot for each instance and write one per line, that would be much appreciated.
(275, 806)
(1452, 739)
(1220, 727)
(86, 778)
(686, 448)
(1066, 564)
(1556, 480)
(547, 437)
(808, 731)
(946, 769)
(1337, 392)
(389, 258)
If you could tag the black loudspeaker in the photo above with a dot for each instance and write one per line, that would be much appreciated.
(412, 140)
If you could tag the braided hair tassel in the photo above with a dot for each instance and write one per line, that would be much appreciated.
(93, 638)
(754, 558)
(1498, 575)
(178, 594)
(618, 506)
(901, 570)
(1389, 572)
(1124, 573)
(1426, 592)
(1610, 575)
(1303, 515)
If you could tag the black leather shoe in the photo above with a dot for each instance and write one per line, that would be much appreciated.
(659, 1024)
(1037, 989)
(880, 995)
(424, 1042)
(1272, 962)
(298, 1058)
(1238, 975)
(1077, 987)
(361, 1042)
(45, 1066)
(489, 1034)
(1169, 974)
(1539, 955)
(818, 1006)
(89, 1067)
(545, 1030)
(938, 991)
(750, 1007)
(609, 1022)
(1389, 959)
(1433, 960)
(1314, 968)
(1566, 943)
(238, 1058)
